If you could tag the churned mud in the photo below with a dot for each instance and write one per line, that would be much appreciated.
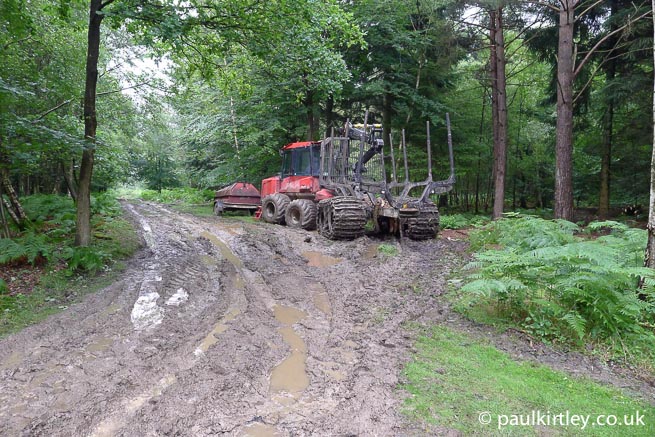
(221, 327)
(225, 327)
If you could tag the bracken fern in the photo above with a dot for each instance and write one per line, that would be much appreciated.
(560, 286)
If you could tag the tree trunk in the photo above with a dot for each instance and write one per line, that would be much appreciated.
(309, 111)
(69, 178)
(650, 245)
(606, 159)
(3, 217)
(608, 127)
(329, 115)
(564, 129)
(386, 118)
(83, 228)
(500, 137)
(15, 208)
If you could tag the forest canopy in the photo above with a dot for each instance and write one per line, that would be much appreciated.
(204, 93)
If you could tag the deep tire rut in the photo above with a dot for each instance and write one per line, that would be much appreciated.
(225, 327)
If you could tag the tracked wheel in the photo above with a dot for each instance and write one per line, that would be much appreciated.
(341, 218)
(301, 213)
(274, 207)
(425, 226)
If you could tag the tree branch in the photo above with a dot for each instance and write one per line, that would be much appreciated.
(603, 39)
(105, 3)
(42, 116)
(583, 13)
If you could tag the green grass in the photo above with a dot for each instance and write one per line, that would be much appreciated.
(453, 378)
(388, 249)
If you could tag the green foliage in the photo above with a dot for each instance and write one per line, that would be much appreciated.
(524, 233)
(461, 221)
(388, 249)
(50, 240)
(560, 287)
(85, 259)
(30, 247)
(178, 195)
(106, 205)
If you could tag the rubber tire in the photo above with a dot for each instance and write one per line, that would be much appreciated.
(219, 208)
(301, 214)
(274, 206)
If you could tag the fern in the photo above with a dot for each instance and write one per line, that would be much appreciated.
(540, 275)
(29, 247)
(84, 259)
(10, 251)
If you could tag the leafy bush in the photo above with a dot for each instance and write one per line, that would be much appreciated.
(561, 287)
(4, 289)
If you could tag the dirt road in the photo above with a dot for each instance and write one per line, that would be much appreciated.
(225, 327)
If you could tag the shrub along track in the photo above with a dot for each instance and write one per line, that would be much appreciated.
(220, 326)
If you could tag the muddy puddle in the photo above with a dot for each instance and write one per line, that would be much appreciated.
(259, 429)
(289, 378)
(318, 259)
(220, 327)
(224, 249)
(371, 251)
(100, 345)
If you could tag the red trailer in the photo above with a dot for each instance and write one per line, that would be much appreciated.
(240, 196)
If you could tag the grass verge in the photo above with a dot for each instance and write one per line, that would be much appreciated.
(457, 382)
(35, 291)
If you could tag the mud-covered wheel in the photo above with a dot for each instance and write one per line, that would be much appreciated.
(274, 206)
(301, 213)
(425, 226)
(219, 208)
(341, 218)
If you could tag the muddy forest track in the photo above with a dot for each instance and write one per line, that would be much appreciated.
(220, 327)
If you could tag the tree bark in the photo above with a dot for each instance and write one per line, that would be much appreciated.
(329, 115)
(69, 178)
(650, 245)
(500, 122)
(83, 222)
(386, 118)
(606, 160)
(564, 129)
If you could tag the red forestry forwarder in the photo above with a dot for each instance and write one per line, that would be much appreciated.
(340, 183)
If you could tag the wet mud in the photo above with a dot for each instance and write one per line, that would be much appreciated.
(220, 327)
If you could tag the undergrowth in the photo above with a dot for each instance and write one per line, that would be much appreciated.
(188, 196)
(563, 284)
(461, 221)
(41, 266)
